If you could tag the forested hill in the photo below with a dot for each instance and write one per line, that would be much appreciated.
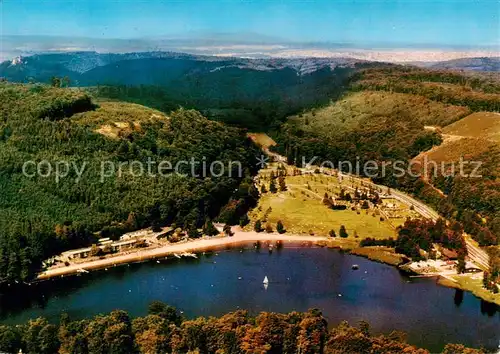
(250, 93)
(40, 216)
(394, 113)
(254, 93)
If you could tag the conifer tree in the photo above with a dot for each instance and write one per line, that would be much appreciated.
(258, 226)
(343, 232)
(280, 228)
(209, 229)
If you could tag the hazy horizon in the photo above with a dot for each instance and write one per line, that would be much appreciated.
(392, 30)
(405, 22)
(248, 45)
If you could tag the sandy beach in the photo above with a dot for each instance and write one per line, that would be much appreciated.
(239, 237)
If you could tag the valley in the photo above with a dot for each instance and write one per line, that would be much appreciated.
(117, 122)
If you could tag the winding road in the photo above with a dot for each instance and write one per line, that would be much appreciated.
(475, 254)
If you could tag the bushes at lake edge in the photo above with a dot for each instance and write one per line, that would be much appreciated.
(390, 242)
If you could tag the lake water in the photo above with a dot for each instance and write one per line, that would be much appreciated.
(300, 278)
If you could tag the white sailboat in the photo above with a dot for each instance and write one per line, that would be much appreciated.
(266, 281)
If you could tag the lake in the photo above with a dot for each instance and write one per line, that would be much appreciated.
(300, 278)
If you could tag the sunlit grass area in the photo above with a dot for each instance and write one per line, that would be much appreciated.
(301, 209)
(484, 125)
(262, 139)
(474, 284)
(309, 216)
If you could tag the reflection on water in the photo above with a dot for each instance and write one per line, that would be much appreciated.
(299, 279)
(459, 297)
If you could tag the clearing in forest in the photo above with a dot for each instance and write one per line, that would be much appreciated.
(484, 125)
(303, 208)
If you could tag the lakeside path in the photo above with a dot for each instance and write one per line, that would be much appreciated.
(239, 237)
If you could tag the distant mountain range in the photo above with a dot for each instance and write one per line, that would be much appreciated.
(473, 64)
(159, 68)
(236, 89)
(248, 45)
(90, 68)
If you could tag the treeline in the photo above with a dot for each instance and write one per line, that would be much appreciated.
(398, 135)
(164, 330)
(418, 235)
(389, 242)
(42, 216)
(254, 99)
(491, 279)
(479, 94)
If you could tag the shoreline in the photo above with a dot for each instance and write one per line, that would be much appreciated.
(383, 255)
(442, 280)
(196, 245)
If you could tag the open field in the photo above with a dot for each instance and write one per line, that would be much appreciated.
(262, 139)
(302, 211)
(310, 216)
(484, 125)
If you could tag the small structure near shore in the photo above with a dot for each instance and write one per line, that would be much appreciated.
(116, 246)
(449, 254)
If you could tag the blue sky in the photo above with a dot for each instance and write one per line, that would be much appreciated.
(452, 22)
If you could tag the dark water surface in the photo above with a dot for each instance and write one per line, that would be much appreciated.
(300, 279)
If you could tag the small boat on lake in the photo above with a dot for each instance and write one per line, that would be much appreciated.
(355, 267)
(266, 280)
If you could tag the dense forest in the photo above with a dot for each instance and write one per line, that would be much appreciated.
(491, 278)
(478, 92)
(257, 100)
(164, 330)
(417, 235)
(256, 94)
(387, 123)
(41, 215)
(309, 115)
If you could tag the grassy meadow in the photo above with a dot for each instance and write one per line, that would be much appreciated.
(484, 125)
(300, 208)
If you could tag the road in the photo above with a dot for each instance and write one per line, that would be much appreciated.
(475, 254)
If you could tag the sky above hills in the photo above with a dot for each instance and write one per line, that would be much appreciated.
(363, 22)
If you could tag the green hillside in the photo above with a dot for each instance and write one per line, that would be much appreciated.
(254, 99)
(478, 91)
(372, 125)
(395, 113)
(40, 216)
(348, 112)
